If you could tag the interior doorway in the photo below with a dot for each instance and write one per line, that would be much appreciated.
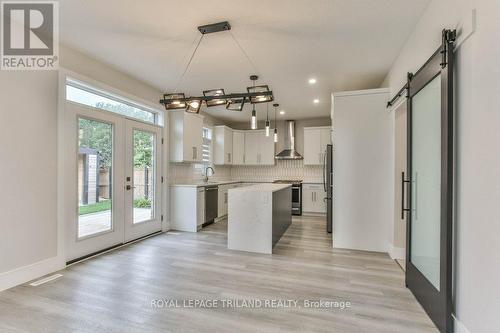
(398, 251)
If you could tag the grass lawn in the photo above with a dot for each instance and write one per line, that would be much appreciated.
(94, 208)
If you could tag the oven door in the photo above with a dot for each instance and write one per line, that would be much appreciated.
(296, 200)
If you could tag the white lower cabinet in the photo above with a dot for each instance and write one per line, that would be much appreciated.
(222, 200)
(313, 198)
(200, 207)
(187, 208)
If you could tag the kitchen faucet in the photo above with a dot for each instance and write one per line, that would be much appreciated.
(206, 173)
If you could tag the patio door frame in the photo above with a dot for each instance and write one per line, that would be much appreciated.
(123, 229)
(437, 303)
(137, 230)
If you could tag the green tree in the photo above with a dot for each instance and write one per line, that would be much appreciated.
(143, 149)
(99, 136)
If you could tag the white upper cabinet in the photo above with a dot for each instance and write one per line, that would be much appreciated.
(252, 147)
(267, 149)
(238, 148)
(259, 149)
(315, 141)
(186, 130)
(223, 145)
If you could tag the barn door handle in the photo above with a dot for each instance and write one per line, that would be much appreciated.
(403, 200)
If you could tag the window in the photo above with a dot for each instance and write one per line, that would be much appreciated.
(84, 94)
(207, 145)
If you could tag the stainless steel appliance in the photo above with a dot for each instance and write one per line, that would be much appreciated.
(328, 185)
(296, 194)
(289, 153)
(211, 204)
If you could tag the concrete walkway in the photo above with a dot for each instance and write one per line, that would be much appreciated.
(93, 223)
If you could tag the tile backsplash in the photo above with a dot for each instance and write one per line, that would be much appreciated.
(194, 172)
(283, 169)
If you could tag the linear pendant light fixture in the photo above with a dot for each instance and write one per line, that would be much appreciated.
(218, 97)
(275, 124)
(268, 124)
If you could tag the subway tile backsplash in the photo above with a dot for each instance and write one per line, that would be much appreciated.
(283, 169)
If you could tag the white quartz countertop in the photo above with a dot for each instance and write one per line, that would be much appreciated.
(226, 182)
(265, 187)
(210, 183)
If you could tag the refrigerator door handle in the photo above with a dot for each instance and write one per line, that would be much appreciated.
(325, 171)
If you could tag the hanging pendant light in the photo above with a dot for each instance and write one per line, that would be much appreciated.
(253, 121)
(275, 125)
(268, 123)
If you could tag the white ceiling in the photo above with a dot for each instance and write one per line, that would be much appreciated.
(344, 44)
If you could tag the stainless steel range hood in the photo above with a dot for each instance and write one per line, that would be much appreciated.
(289, 153)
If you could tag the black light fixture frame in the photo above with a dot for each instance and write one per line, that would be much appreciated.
(246, 96)
(214, 27)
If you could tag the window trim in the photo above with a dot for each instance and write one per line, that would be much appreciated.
(211, 147)
(113, 94)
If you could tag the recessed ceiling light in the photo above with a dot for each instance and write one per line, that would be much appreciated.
(282, 112)
(312, 81)
(316, 101)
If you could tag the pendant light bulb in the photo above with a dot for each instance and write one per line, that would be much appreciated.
(275, 124)
(268, 123)
(253, 122)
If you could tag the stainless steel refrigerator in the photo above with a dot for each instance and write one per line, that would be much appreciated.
(328, 185)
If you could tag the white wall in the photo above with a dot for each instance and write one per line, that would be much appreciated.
(28, 174)
(28, 162)
(363, 171)
(477, 225)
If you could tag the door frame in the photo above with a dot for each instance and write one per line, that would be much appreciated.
(137, 230)
(84, 246)
(63, 178)
(437, 303)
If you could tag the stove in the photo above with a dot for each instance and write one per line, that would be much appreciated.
(296, 194)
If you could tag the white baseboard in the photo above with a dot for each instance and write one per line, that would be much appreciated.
(397, 252)
(459, 326)
(27, 273)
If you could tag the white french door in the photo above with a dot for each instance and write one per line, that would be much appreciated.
(112, 180)
(142, 179)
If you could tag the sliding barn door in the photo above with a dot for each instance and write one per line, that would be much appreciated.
(430, 168)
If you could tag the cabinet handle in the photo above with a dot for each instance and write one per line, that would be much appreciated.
(312, 196)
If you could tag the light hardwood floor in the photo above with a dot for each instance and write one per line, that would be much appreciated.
(114, 292)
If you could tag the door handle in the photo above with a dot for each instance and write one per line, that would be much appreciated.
(403, 201)
(129, 187)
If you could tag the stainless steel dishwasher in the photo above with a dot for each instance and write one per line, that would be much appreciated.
(211, 204)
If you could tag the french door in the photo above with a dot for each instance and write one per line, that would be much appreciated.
(112, 180)
(430, 167)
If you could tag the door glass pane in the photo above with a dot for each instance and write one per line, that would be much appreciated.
(95, 161)
(426, 181)
(144, 176)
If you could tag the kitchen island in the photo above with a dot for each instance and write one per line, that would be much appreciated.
(258, 216)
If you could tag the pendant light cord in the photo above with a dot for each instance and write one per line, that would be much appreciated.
(244, 52)
(189, 63)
